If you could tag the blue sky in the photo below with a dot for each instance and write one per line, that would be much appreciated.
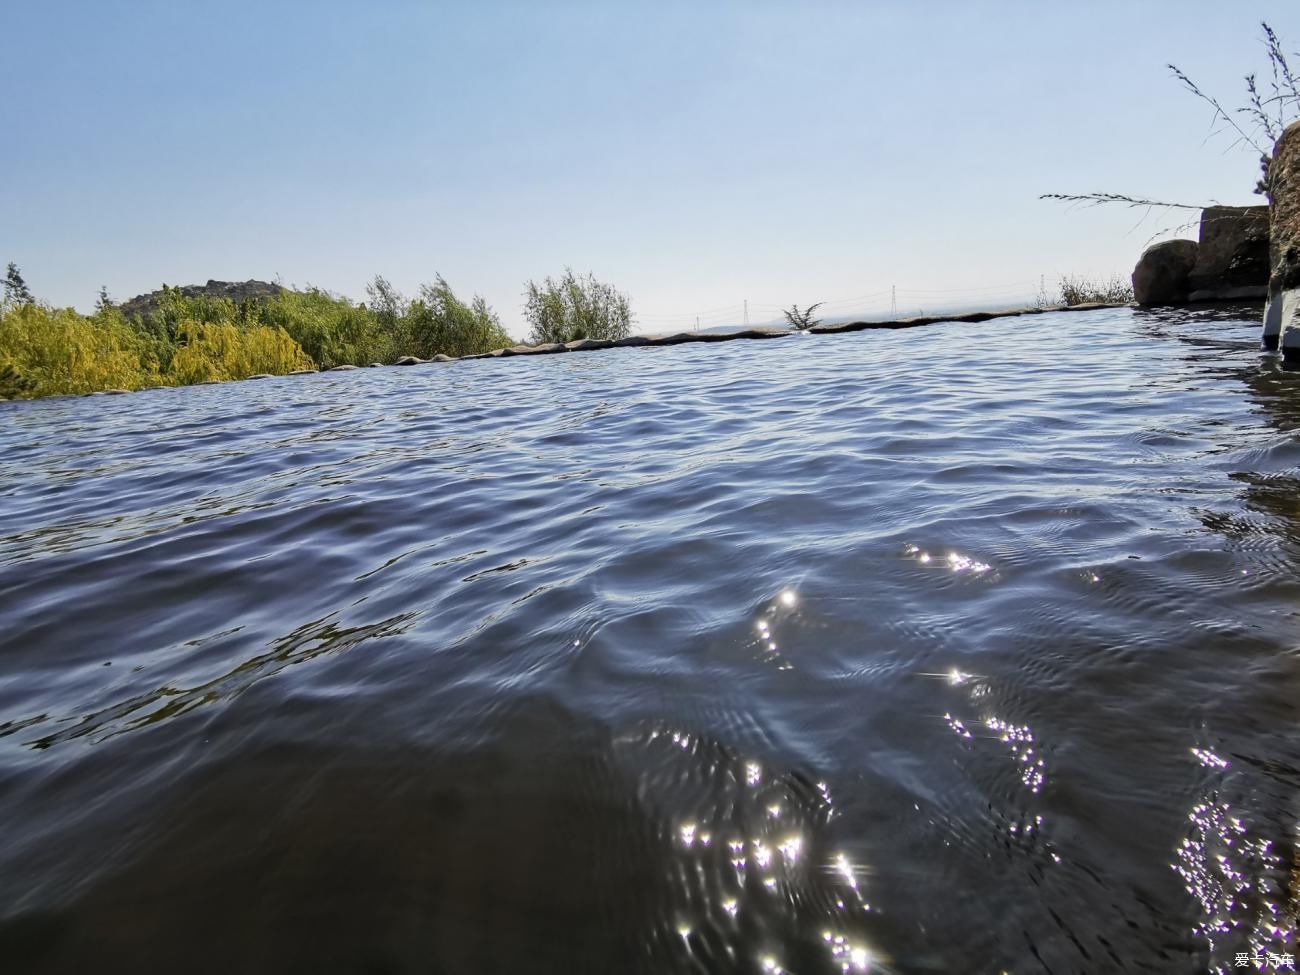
(693, 154)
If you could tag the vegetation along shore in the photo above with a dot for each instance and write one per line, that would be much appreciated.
(224, 331)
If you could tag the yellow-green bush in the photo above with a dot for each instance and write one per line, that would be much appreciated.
(52, 351)
(193, 338)
(46, 351)
(224, 351)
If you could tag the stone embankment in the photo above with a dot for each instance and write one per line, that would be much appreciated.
(1228, 263)
(682, 338)
(1282, 314)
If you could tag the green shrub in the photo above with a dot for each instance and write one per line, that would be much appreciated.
(576, 308)
(331, 329)
(1078, 291)
(802, 319)
(439, 322)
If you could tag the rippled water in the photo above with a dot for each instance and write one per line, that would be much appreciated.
(961, 649)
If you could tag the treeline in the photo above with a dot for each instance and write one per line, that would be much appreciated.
(184, 339)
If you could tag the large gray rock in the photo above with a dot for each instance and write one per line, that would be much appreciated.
(1232, 259)
(1284, 177)
(1282, 314)
(1162, 272)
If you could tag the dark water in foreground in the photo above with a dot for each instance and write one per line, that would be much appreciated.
(964, 649)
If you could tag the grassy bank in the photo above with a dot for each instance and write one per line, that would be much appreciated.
(46, 351)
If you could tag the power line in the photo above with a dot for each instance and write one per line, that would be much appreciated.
(739, 313)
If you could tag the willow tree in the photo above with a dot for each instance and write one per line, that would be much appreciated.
(440, 322)
(575, 307)
(16, 291)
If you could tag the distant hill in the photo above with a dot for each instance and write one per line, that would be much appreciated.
(236, 291)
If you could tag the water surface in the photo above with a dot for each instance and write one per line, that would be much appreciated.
(969, 648)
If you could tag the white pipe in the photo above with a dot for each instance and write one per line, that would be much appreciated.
(1272, 320)
(1289, 322)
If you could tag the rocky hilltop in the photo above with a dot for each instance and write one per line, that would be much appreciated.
(236, 291)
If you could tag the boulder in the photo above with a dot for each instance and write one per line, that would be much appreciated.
(631, 341)
(1232, 259)
(1284, 214)
(260, 375)
(1282, 313)
(444, 358)
(303, 372)
(1162, 272)
(342, 368)
(409, 360)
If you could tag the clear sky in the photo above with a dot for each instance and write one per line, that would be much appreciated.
(693, 154)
